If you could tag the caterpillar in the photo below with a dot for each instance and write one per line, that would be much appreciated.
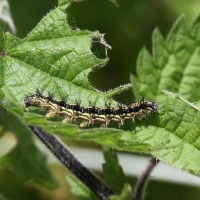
(90, 114)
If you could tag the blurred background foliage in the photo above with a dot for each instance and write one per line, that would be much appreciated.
(128, 28)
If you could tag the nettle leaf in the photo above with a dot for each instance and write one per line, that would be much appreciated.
(173, 134)
(52, 58)
(126, 194)
(180, 132)
(55, 58)
(25, 159)
(115, 177)
(79, 189)
(174, 66)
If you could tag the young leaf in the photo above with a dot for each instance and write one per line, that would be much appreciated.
(25, 160)
(174, 66)
(126, 194)
(115, 177)
(79, 189)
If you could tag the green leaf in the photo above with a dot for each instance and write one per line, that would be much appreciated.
(1, 41)
(79, 189)
(117, 90)
(125, 195)
(115, 177)
(174, 66)
(179, 130)
(25, 160)
(56, 59)
(52, 58)
(172, 135)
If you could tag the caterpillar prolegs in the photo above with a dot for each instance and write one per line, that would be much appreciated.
(90, 114)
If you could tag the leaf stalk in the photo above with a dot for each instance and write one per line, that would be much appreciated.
(143, 180)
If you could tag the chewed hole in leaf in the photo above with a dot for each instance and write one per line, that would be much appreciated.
(99, 47)
(98, 44)
(71, 20)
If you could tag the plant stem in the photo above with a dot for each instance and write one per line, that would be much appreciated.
(143, 180)
(72, 163)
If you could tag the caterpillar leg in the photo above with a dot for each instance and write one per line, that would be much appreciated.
(86, 119)
(51, 114)
(84, 124)
(103, 119)
(118, 118)
(69, 115)
(67, 119)
(129, 116)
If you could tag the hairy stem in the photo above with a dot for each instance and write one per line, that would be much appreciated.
(143, 180)
(72, 163)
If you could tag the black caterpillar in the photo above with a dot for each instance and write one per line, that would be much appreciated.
(90, 114)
